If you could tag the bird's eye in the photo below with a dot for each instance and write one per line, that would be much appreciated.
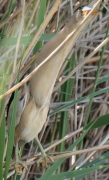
(85, 13)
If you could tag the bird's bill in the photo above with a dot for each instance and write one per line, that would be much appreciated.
(96, 11)
(86, 12)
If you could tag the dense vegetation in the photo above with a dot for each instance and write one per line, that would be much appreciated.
(78, 117)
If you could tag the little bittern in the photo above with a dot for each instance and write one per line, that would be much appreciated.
(34, 97)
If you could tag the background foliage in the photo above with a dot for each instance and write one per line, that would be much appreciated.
(78, 118)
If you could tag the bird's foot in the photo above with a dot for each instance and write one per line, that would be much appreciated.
(43, 161)
(19, 165)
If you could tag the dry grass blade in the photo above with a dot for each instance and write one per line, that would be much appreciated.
(35, 39)
(86, 52)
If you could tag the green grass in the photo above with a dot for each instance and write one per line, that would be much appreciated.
(2, 130)
(66, 94)
(9, 39)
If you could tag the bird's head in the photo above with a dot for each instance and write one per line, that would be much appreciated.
(83, 11)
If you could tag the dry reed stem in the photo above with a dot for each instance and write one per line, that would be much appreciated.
(85, 60)
(84, 80)
(42, 27)
(66, 155)
(34, 71)
(14, 14)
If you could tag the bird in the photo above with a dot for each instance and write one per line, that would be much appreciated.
(34, 96)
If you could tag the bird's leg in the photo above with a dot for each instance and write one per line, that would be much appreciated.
(17, 160)
(44, 155)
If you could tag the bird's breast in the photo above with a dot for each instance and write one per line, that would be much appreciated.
(32, 121)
